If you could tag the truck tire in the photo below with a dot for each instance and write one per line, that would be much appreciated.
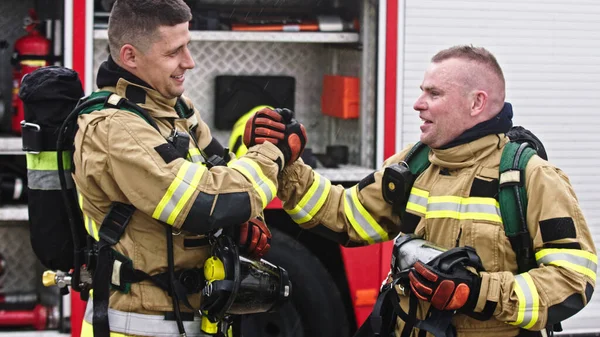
(315, 308)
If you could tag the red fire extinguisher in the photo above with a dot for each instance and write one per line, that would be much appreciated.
(31, 52)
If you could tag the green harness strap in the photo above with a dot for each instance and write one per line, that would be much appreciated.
(512, 197)
(100, 106)
(418, 159)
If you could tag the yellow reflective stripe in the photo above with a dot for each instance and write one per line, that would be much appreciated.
(194, 155)
(535, 309)
(464, 201)
(312, 201)
(179, 192)
(47, 161)
(419, 192)
(453, 207)
(417, 201)
(462, 216)
(360, 219)
(90, 225)
(33, 63)
(529, 300)
(578, 260)
(262, 185)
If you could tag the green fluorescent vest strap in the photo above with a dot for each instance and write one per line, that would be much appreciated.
(509, 208)
(47, 161)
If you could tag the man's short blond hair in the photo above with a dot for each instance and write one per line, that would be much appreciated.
(471, 53)
(136, 21)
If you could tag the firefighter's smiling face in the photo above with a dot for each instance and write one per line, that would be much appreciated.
(445, 104)
(164, 62)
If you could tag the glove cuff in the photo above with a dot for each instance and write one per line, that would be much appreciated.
(270, 151)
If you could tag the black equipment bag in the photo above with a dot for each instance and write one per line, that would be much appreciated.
(49, 94)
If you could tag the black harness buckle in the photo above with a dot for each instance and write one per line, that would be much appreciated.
(115, 222)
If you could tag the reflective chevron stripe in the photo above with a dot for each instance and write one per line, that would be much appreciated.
(312, 201)
(453, 207)
(263, 186)
(179, 192)
(577, 260)
(360, 219)
(195, 156)
(529, 301)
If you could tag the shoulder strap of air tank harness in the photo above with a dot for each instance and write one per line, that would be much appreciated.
(112, 228)
(513, 201)
(512, 197)
(417, 161)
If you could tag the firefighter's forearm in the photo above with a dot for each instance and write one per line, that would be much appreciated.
(350, 216)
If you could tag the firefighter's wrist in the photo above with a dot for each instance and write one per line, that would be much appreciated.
(270, 151)
(483, 308)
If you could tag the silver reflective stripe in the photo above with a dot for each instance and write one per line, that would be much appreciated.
(196, 158)
(257, 178)
(144, 325)
(463, 208)
(179, 192)
(580, 261)
(305, 212)
(528, 301)
(359, 222)
(195, 155)
(418, 200)
(47, 180)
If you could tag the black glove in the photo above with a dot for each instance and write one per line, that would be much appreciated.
(254, 238)
(278, 127)
(446, 282)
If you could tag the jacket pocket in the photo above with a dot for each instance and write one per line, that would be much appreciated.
(488, 241)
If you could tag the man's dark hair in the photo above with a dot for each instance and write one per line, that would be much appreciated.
(471, 53)
(136, 21)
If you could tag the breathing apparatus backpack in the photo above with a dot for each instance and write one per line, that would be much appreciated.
(56, 231)
(233, 284)
(397, 183)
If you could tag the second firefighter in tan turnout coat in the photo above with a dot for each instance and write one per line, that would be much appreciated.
(464, 122)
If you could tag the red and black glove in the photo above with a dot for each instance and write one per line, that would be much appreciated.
(278, 127)
(446, 282)
(254, 238)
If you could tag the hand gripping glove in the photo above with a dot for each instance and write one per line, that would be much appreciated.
(446, 282)
(278, 127)
(254, 238)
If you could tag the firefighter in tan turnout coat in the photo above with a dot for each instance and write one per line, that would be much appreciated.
(454, 204)
(120, 158)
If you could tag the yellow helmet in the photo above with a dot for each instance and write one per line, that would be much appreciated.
(236, 140)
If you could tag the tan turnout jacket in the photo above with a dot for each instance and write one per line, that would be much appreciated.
(468, 175)
(120, 157)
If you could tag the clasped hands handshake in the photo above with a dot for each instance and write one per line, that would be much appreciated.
(277, 126)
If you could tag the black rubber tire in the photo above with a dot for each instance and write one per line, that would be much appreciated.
(316, 308)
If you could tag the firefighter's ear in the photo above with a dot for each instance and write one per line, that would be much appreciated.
(479, 100)
(128, 55)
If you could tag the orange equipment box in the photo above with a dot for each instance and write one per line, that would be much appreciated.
(340, 96)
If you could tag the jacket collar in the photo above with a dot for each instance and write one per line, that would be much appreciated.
(113, 78)
(468, 154)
